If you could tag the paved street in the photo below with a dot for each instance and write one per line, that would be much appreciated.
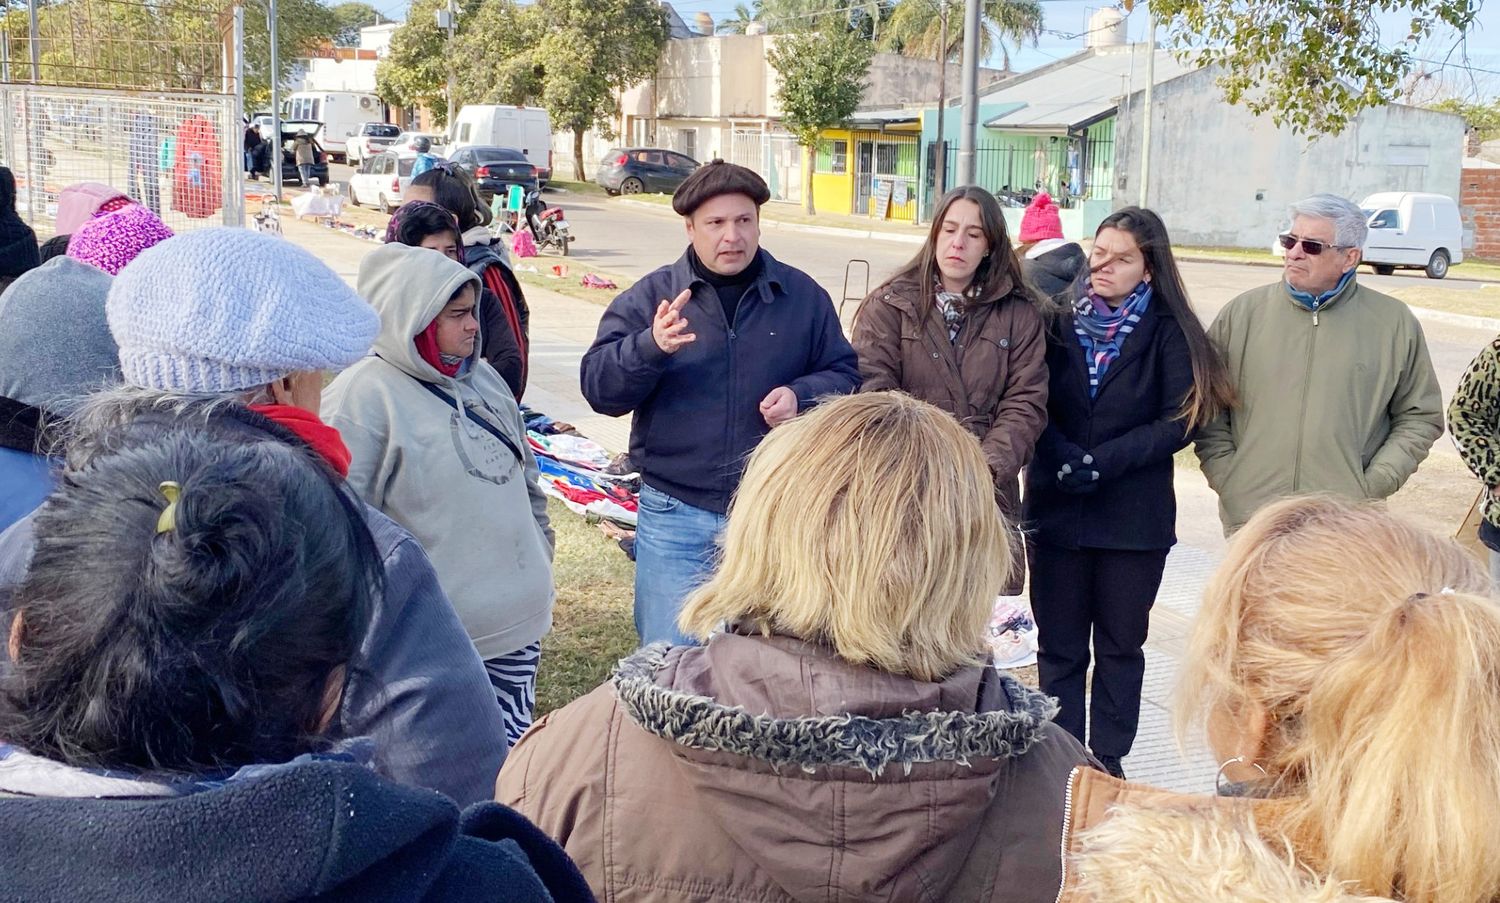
(630, 241)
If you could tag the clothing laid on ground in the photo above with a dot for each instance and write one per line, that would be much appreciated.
(991, 375)
(1097, 550)
(421, 691)
(1474, 419)
(317, 828)
(766, 768)
(514, 678)
(697, 411)
(447, 456)
(1340, 399)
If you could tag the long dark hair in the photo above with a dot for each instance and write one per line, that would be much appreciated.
(418, 219)
(454, 190)
(1213, 390)
(205, 646)
(999, 264)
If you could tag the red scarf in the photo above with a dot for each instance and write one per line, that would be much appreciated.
(319, 436)
(427, 347)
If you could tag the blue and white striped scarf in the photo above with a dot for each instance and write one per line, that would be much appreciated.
(1102, 330)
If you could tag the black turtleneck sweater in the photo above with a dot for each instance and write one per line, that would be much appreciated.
(730, 289)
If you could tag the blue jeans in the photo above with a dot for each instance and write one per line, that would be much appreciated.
(305, 171)
(676, 548)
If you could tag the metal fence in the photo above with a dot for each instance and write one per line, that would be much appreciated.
(176, 153)
(1071, 170)
(775, 155)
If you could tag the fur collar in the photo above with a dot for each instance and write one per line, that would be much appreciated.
(810, 743)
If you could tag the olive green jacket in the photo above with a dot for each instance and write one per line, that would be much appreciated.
(1343, 400)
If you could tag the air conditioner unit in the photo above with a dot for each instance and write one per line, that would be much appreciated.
(364, 103)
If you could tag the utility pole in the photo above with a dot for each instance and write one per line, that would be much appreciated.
(448, 18)
(238, 192)
(970, 93)
(35, 41)
(276, 149)
(1146, 108)
(941, 152)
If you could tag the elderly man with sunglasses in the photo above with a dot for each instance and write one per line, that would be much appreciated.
(1336, 389)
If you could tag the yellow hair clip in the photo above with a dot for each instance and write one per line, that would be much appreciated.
(167, 521)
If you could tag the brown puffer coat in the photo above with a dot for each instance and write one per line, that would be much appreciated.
(992, 377)
(767, 769)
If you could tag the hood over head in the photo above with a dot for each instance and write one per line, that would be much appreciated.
(80, 202)
(409, 287)
(55, 344)
(773, 733)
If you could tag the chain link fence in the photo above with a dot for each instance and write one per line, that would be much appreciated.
(177, 154)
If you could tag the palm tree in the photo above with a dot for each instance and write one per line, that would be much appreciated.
(744, 17)
(915, 26)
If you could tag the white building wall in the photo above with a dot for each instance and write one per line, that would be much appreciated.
(1223, 177)
(339, 75)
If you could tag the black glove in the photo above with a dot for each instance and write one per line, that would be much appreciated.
(1078, 477)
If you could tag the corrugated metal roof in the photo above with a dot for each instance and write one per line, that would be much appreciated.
(886, 117)
(1077, 90)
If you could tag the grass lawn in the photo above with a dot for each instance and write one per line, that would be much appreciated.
(577, 187)
(569, 285)
(592, 626)
(1485, 302)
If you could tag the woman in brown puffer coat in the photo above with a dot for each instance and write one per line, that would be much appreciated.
(957, 328)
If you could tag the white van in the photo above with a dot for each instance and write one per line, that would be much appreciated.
(1413, 231)
(526, 129)
(341, 112)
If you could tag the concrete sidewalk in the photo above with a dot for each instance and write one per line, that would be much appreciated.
(562, 329)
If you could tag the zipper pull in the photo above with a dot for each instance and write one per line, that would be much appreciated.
(732, 336)
(1315, 317)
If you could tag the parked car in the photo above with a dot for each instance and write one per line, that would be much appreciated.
(1409, 230)
(406, 142)
(371, 139)
(526, 129)
(495, 169)
(632, 170)
(289, 171)
(382, 180)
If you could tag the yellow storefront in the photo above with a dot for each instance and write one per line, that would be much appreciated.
(870, 171)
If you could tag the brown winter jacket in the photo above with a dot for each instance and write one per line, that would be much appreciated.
(993, 377)
(767, 769)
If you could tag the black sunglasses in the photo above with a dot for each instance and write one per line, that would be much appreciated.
(1313, 248)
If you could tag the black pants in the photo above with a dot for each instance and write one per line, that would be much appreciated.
(1106, 594)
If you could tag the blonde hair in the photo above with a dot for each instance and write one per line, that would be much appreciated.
(869, 525)
(1373, 648)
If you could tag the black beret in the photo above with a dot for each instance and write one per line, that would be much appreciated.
(715, 178)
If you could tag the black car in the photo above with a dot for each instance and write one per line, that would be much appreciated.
(289, 171)
(632, 170)
(495, 169)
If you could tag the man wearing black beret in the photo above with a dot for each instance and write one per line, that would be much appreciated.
(709, 353)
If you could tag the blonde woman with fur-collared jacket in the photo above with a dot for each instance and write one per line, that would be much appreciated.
(1346, 668)
(843, 740)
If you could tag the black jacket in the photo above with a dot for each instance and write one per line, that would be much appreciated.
(1058, 273)
(1131, 428)
(320, 831)
(697, 412)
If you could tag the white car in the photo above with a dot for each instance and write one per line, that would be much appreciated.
(372, 138)
(406, 143)
(382, 180)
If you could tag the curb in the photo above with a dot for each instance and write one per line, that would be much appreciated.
(768, 224)
(1427, 314)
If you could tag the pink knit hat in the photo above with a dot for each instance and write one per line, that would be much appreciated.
(79, 202)
(1041, 220)
(112, 240)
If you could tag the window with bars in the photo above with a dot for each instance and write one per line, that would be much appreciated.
(833, 157)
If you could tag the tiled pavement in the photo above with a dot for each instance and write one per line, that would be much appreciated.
(563, 327)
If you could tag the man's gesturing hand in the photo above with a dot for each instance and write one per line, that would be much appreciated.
(779, 407)
(669, 328)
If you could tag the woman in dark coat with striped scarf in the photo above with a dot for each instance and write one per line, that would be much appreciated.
(1132, 375)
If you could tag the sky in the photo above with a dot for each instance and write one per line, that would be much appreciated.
(1067, 18)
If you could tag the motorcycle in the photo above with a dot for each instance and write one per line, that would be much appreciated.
(548, 225)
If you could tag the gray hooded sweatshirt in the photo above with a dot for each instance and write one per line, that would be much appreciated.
(472, 502)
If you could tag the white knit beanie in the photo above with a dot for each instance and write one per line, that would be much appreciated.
(224, 310)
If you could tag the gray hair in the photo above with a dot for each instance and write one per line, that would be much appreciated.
(83, 434)
(1350, 225)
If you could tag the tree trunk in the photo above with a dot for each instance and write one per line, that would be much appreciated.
(807, 181)
(578, 155)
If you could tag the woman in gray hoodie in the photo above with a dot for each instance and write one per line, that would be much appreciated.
(438, 444)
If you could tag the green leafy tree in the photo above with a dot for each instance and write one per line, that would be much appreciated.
(415, 71)
(1312, 65)
(822, 77)
(302, 25)
(590, 50)
(1483, 118)
(496, 55)
(915, 27)
(744, 17)
(349, 18)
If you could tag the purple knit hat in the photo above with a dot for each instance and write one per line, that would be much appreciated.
(112, 240)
